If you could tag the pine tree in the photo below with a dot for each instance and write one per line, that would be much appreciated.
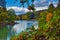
(51, 8)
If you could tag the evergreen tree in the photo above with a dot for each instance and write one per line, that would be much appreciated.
(51, 8)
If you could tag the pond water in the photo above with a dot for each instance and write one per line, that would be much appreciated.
(21, 26)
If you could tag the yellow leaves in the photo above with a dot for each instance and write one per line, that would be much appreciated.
(33, 37)
(24, 17)
(17, 17)
(49, 16)
(13, 38)
(41, 12)
(3, 16)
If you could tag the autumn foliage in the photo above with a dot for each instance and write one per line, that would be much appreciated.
(49, 16)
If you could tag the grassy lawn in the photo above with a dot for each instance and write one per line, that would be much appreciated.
(3, 33)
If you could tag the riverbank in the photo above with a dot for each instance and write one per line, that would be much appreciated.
(2, 23)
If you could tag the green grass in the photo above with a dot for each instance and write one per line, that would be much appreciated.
(3, 32)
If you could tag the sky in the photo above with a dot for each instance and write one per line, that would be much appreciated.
(39, 5)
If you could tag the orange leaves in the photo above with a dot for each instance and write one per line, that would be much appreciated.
(21, 38)
(49, 16)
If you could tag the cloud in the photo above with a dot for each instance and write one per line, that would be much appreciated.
(43, 0)
(17, 9)
(41, 3)
(20, 10)
(41, 8)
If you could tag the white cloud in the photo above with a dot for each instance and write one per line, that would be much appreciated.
(41, 3)
(41, 8)
(20, 10)
(43, 0)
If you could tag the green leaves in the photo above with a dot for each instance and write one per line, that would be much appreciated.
(3, 33)
(11, 14)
